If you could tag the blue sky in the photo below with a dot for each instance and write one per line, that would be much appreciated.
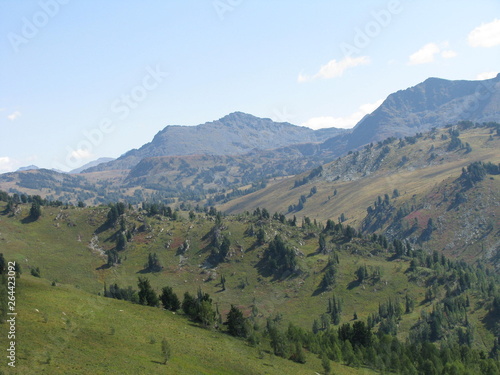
(85, 79)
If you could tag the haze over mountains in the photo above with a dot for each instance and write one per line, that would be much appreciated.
(432, 103)
(234, 134)
(249, 150)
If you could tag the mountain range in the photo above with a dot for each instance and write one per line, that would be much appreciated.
(234, 134)
(432, 103)
(240, 150)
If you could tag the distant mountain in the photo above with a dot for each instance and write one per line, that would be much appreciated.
(28, 168)
(240, 153)
(234, 134)
(433, 103)
(91, 164)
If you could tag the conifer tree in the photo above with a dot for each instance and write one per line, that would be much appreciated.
(147, 296)
(166, 351)
(236, 323)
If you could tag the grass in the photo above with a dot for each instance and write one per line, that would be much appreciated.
(417, 177)
(63, 330)
(418, 181)
(61, 257)
(70, 329)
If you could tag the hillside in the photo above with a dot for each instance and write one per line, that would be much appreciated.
(237, 260)
(191, 178)
(64, 330)
(424, 169)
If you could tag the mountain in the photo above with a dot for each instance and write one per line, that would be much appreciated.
(91, 164)
(433, 103)
(234, 134)
(28, 168)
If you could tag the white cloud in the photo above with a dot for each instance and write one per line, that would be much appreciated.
(6, 164)
(425, 54)
(486, 75)
(335, 68)
(321, 122)
(448, 54)
(428, 53)
(14, 115)
(81, 154)
(487, 35)
(346, 122)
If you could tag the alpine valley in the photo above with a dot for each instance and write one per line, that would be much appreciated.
(247, 246)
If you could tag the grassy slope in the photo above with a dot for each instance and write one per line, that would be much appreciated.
(355, 195)
(63, 330)
(71, 262)
(418, 181)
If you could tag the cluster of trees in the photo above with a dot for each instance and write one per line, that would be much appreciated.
(37, 202)
(316, 172)
(378, 215)
(345, 231)
(199, 308)
(372, 342)
(236, 192)
(281, 259)
(115, 211)
(477, 171)
(302, 200)
(162, 209)
(455, 142)
(153, 264)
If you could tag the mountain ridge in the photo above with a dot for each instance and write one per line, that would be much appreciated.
(434, 102)
(233, 134)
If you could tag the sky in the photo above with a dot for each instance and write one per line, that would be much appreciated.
(81, 79)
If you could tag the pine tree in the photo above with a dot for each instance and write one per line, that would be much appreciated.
(153, 264)
(121, 242)
(206, 314)
(322, 243)
(347, 352)
(298, 354)
(189, 305)
(223, 282)
(315, 326)
(169, 299)
(236, 323)
(166, 351)
(325, 362)
(147, 296)
(35, 211)
(261, 236)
